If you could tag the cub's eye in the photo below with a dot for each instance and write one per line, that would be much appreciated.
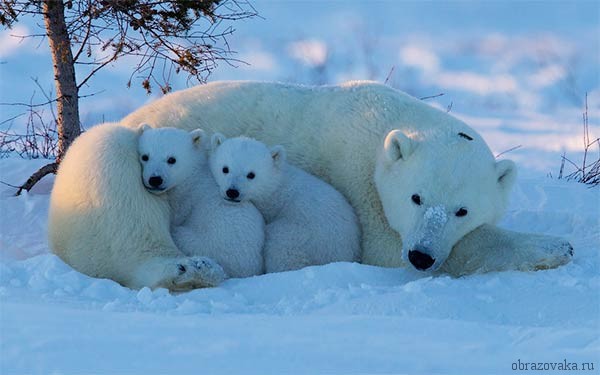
(462, 212)
(416, 199)
(171, 160)
(225, 170)
(145, 157)
(251, 176)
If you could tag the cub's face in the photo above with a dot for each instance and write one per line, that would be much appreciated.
(434, 193)
(167, 156)
(245, 169)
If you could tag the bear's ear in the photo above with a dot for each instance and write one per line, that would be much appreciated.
(506, 173)
(143, 127)
(216, 140)
(397, 146)
(197, 137)
(278, 154)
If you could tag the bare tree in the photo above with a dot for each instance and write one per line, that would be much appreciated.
(86, 35)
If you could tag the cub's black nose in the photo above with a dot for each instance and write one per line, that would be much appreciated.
(420, 260)
(232, 193)
(155, 181)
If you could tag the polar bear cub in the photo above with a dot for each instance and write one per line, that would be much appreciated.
(308, 222)
(231, 236)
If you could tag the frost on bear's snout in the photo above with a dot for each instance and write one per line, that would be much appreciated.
(434, 220)
(423, 245)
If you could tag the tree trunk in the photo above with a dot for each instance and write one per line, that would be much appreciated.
(67, 92)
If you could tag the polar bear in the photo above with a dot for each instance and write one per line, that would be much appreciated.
(174, 162)
(307, 221)
(104, 223)
(344, 134)
(475, 189)
(338, 133)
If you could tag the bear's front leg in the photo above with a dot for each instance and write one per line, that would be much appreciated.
(179, 274)
(489, 248)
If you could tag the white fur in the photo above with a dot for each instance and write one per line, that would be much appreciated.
(337, 133)
(308, 221)
(448, 172)
(202, 223)
(105, 224)
(334, 132)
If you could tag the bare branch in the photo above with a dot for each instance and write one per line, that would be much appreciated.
(91, 74)
(37, 176)
(31, 105)
(85, 38)
(507, 151)
(432, 96)
(9, 185)
(387, 79)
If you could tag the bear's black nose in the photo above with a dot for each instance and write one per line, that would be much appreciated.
(155, 181)
(420, 260)
(232, 193)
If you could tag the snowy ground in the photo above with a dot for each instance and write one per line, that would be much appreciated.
(339, 318)
(516, 71)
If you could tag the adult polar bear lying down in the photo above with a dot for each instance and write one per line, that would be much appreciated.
(379, 147)
(396, 159)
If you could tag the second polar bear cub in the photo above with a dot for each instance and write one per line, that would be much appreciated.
(308, 222)
(174, 163)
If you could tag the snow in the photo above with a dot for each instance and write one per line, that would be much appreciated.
(516, 72)
(338, 318)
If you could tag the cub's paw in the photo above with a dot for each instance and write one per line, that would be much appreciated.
(193, 273)
(208, 270)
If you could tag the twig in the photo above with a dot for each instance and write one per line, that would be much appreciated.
(7, 184)
(562, 165)
(432, 96)
(12, 118)
(586, 135)
(387, 79)
(586, 173)
(31, 105)
(37, 176)
(509, 150)
(37, 83)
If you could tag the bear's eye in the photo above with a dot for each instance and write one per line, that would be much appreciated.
(251, 176)
(225, 170)
(145, 157)
(462, 212)
(171, 160)
(416, 199)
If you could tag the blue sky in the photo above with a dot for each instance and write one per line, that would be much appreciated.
(522, 66)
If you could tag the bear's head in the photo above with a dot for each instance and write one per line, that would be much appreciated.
(168, 156)
(436, 188)
(245, 169)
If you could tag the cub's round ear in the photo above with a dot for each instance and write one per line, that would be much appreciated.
(198, 136)
(216, 140)
(506, 172)
(397, 146)
(143, 127)
(278, 154)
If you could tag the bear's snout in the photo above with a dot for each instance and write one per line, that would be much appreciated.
(232, 194)
(420, 260)
(155, 181)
